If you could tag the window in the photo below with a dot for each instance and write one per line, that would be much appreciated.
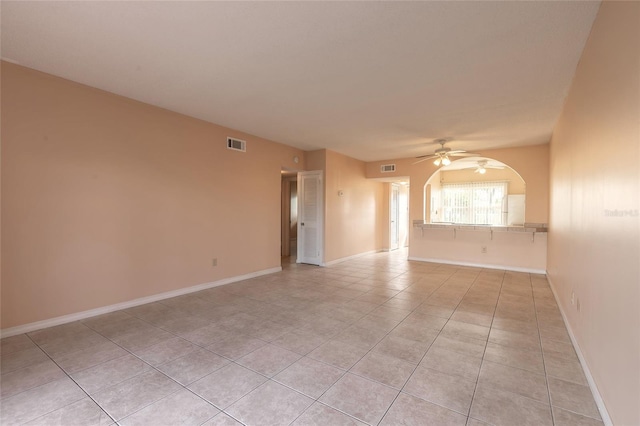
(475, 203)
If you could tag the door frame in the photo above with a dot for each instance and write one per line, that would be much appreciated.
(285, 217)
(394, 222)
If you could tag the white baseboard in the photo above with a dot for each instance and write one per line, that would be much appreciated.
(481, 265)
(344, 259)
(592, 384)
(38, 325)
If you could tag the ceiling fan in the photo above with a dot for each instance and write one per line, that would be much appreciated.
(483, 166)
(443, 153)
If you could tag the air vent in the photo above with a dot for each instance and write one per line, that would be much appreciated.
(236, 144)
(386, 168)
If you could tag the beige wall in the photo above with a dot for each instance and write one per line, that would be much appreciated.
(530, 162)
(354, 221)
(432, 190)
(404, 216)
(595, 169)
(316, 160)
(106, 200)
(516, 251)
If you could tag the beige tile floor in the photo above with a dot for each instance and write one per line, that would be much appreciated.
(376, 340)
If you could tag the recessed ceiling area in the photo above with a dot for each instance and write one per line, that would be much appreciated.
(372, 80)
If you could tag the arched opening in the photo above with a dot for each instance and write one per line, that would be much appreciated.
(475, 191)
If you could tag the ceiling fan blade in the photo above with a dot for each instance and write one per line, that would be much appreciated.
(425, 158)
(464, 154)
(494, 167)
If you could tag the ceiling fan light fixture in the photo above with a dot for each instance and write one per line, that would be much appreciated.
(442, 155)
(482, 167)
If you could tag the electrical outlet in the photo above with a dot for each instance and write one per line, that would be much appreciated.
(483, 249)
(214, 262)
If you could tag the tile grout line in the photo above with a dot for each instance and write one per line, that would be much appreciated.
(70, 378)
(540, 374)
(231, 361)
(544, 362)
(160, 371)
(431, 344)
(352, 323)
(504, 273)
(348, 371)
(302, 292)
(344, 371)
(134, 354)
(129, 378)
(271, 379)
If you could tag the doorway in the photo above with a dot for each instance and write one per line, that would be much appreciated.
(399, 215)
(289, 217)
(394, 218)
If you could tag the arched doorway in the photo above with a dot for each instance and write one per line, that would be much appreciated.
(475, 191)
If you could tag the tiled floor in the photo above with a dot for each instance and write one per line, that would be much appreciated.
(376, 340)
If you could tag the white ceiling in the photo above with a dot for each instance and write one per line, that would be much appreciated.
(373, 80)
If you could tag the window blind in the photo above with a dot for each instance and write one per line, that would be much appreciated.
(475, 203)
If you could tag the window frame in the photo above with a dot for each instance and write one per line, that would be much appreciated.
(476, 203)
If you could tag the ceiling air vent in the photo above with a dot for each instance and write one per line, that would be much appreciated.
(386, 168)
(236, 144)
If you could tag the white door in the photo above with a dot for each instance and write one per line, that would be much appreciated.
(310, 241)
(394, 230)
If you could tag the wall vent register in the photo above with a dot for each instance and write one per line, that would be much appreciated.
(236, 144)
(386, 168)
